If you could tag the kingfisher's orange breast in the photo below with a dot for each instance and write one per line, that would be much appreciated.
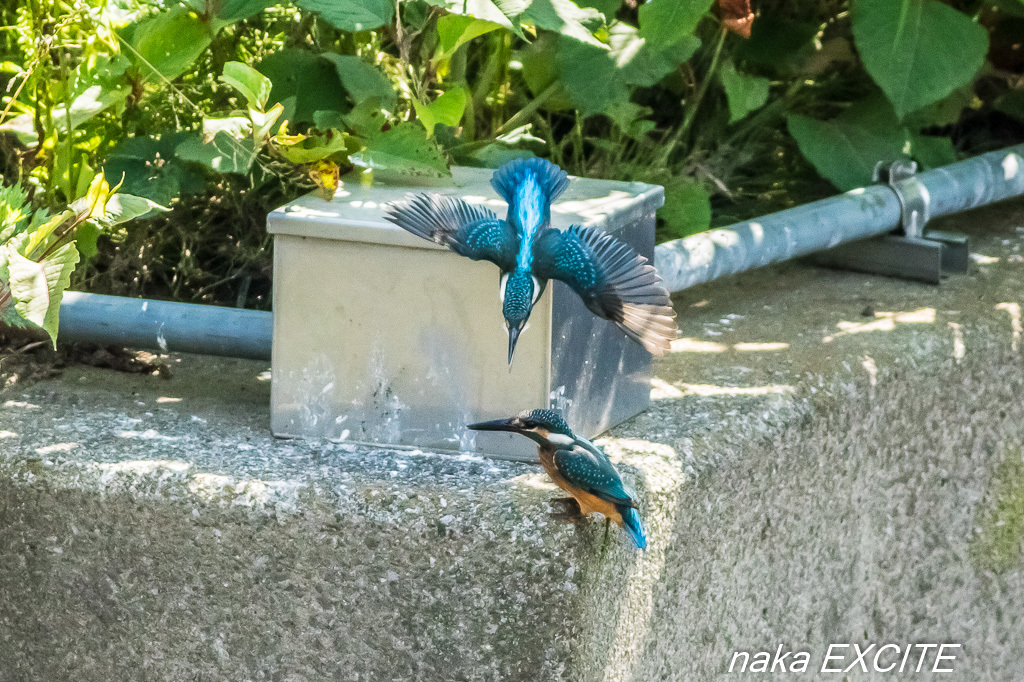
(588, 503)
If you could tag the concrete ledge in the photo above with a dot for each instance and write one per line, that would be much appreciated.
(830, 458)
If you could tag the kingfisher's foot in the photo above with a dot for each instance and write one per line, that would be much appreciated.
(567, 509)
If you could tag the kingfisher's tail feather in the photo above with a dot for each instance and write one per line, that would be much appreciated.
(634, 526)
(633, 295)
(551, 179)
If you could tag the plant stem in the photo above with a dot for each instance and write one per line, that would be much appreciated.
(528, 111)
(698, 97)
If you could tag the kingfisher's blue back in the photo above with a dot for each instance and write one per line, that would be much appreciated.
(529, 186)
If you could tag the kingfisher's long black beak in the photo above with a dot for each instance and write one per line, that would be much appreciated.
(498, 425)
(513, 337)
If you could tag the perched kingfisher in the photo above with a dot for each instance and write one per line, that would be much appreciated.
(614, 281)
(578, 467)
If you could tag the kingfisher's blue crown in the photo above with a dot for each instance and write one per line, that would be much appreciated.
(550, 420)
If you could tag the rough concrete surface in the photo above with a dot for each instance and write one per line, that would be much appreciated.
(830, 458)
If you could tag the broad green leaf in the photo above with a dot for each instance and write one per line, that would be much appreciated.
(38, 237)
(639, 63)
(918, 51)
(846, 149)
(606, 7)
(777, 43)
(1011, 103)
(223, 153)
(946, 111)
(455, 30)
(235, 126)
(87, 235)
(590, 77)
(446, 109)
(541, 71)
(318, 147)
(14, 211)
(263, 121)
(566, 18)
(362, 80)
(932, 151)
(404, 151)
(87, 105)
(666, 22)
(165, 45)
(121, 208)
(353, 15)
(149, 168)
(744, 93)
(252, 84)
(37, 288)
(493, 155)
(231, 11)
(632, 118)
(304, 83)
(687, 209)
(505, 13)
(22, 127)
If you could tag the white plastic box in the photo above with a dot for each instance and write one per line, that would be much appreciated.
(382, 337)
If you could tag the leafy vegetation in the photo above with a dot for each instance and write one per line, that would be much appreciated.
(222, 109)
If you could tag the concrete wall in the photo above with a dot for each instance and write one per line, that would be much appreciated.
(830, 458)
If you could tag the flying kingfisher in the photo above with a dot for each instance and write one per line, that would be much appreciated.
(578, 467)
(614, 281)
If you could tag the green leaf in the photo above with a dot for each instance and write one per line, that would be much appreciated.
(566, 18)
(918, 51)
(317, 147)
(606, 7)
(666, 22)
(263, 121)
(37, 288)
(687, 209)
(14, 211)
(121, 208)
(362, 80)
(505, 13)
(744, 93)
(845, 150)
(149, 168)
(455, 30)
(304, 83)
(777, 43)
(403, 151)
(252, 84)
(639, 63)
(353, 15)
(223, 153)
(167, 44)
(590, 77)
(446, 109)
(93, 101)
(933, 151)
(231, 11)
(235, 126)
(87, 235)
(1011, 103)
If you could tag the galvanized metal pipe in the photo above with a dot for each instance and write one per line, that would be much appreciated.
(858, 214)
(165, 326)
(820, 225)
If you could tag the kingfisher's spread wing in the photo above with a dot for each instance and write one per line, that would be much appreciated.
(592, 473)
(614, 281)
(471, 231)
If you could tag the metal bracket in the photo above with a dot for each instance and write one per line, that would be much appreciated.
(911, 251)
